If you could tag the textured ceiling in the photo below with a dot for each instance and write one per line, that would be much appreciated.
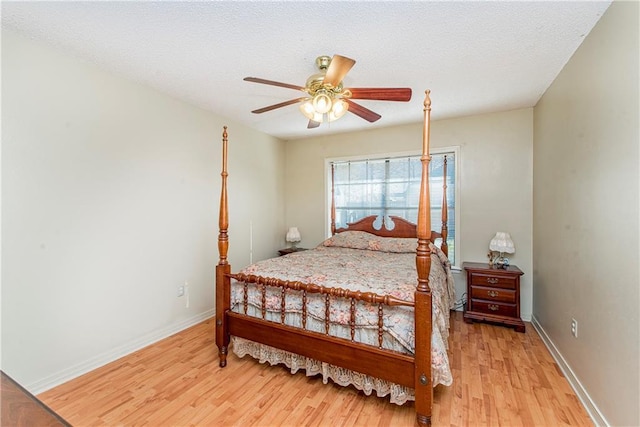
(476, 57)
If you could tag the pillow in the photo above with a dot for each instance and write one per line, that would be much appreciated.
(368, 241)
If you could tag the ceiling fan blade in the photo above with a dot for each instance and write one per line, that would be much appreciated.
(272, 83)
(381, 93)
(274, 106)
(338, 68)
(363, 112)
(312, 124)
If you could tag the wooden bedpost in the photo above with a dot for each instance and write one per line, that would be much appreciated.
(423, 384)
(223, 281)
(333, 199)
(445, 211)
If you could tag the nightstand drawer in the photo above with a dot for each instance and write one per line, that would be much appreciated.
(501, 309)
(493, 294)
(494, 281)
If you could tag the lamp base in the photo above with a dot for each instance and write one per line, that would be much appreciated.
(496, 260)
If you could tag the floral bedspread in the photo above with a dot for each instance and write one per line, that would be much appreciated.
(356, 261)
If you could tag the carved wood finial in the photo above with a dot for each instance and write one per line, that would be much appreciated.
(423, 255)
(223, 237)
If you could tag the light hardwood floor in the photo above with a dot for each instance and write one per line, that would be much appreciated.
(501, 377)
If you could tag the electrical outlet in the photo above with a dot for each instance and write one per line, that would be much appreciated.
(574, 328)
(180, 291)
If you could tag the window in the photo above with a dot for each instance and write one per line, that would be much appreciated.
(390, 185)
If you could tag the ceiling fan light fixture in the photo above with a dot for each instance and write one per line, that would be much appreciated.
(339, 109)
(326, 95)
(308, 110)
(322, 102)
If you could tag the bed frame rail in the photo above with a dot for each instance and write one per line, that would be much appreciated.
(380, 363)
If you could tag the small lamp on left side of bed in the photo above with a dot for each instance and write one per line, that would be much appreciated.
(500, 243)
(293, 236)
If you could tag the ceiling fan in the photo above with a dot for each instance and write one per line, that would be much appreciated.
(325, 94)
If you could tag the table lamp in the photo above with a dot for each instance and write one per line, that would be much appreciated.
(501, 243)
(293, 236)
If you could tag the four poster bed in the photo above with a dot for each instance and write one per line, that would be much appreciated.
(368, 307)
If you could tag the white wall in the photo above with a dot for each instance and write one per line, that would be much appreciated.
(495, 180)
(586, 215)
(110, 202)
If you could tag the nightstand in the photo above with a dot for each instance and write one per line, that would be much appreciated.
(287, 251)
(493, 295)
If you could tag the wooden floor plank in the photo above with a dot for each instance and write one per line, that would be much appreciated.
(501, 377)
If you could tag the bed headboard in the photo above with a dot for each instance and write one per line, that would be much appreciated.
(383, 226)
(390, 226)
(394, 226)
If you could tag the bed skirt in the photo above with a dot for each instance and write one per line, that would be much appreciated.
(344, 377)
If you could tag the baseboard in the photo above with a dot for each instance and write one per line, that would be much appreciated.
(591, 408)
(115, 354)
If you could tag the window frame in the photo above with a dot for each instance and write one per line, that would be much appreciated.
(379, 156)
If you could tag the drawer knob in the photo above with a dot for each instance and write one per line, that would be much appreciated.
(493, 307)
(492, 280)
(493, 294)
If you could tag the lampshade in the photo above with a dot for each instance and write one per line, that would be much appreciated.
(502, 243)
(310, 113)
(322, 102)
(307, 109)
(339, 109)
(293, 235)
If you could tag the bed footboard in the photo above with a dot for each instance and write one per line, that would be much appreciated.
(367, 359)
